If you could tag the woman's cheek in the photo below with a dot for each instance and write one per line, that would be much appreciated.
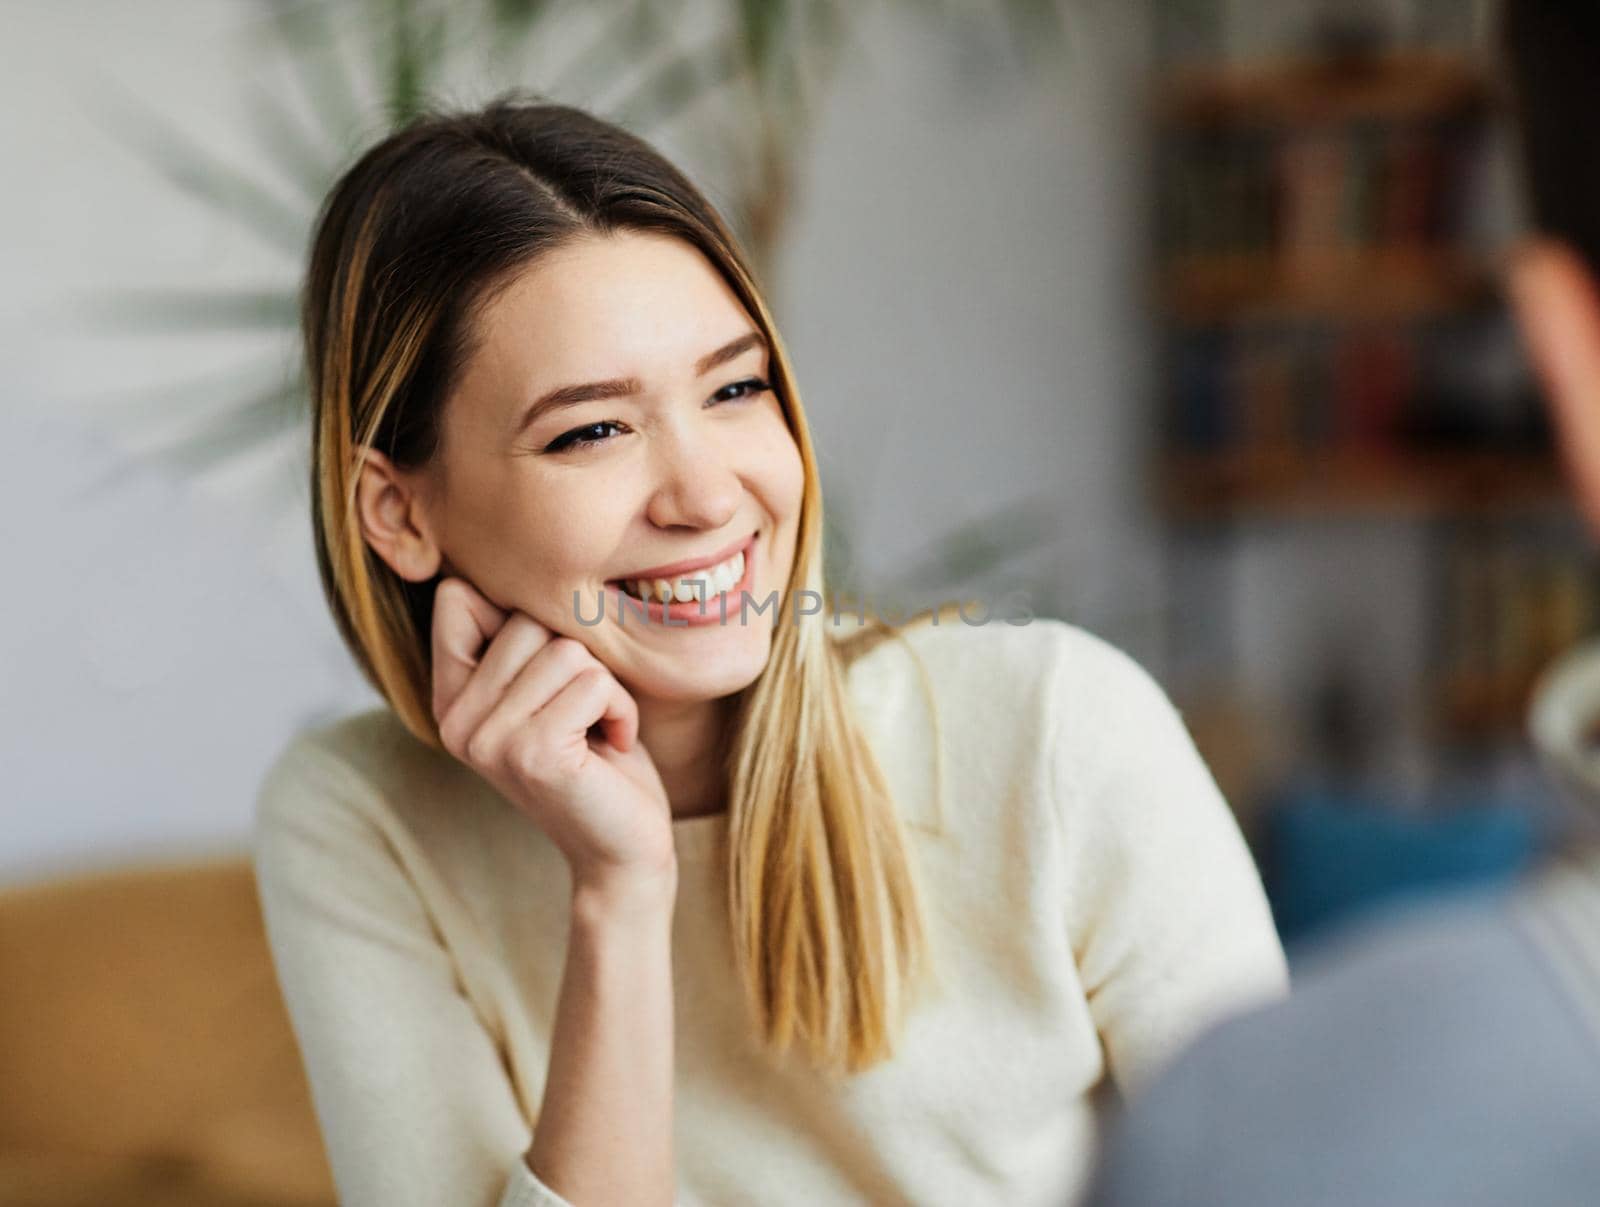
(781, 465)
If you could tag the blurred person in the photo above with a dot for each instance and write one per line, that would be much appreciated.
(620, 898)
(1448, 1056)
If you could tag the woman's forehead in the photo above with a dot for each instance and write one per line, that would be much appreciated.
(623, 307)
(599, 300)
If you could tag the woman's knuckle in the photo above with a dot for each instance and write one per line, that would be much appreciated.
(566, 651)
(480, 749)
(523, 625)
(525, 758)
(450, 593)
(450, 733)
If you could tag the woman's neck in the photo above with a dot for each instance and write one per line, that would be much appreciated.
(686, 743)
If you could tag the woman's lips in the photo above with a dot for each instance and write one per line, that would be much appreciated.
(690, 571)
(677, 570)
(694, 612)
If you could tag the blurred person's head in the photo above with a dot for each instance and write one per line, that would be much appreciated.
(474, 262)
(1551, 51)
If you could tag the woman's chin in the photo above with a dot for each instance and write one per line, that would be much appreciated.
(702, 675)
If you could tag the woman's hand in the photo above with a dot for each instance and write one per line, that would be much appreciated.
(521, 713)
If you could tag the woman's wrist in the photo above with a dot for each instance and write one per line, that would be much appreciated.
(620, 893)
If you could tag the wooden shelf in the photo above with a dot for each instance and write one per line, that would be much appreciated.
(1469, 705)
(1281, 483)
(1300, 92)
(1358, 284)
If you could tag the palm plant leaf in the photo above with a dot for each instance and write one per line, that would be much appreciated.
(195, 395)
(305, 30)
(416, 41)
(1035, 27)
(677, 84)
(241, 429)
(201, 173)
(306, 161)
(514, 16)
(638, 25)
(192, 309)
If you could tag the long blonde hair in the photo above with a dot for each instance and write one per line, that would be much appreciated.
(828, 925)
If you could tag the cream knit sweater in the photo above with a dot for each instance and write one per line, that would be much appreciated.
(1091, 906)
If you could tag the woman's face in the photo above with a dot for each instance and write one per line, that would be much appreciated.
(664, 445)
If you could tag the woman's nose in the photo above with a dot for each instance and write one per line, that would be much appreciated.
(695, 486)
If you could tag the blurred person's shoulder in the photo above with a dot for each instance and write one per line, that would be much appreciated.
(1417, 1044)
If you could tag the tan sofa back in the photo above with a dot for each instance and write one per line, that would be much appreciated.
(140, 1021)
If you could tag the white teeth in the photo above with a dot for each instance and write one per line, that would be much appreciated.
(704, 585)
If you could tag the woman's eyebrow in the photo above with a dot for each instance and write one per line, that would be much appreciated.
(622, 387)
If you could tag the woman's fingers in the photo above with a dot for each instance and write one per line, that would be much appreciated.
(521, 640)
(463, 620)
(620, 721)
(546, 743)
(551, 666)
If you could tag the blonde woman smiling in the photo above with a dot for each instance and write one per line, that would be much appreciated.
(771, 910)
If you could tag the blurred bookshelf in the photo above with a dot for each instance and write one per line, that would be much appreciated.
(1510, 604)
(1322, 298)
(1334, 344)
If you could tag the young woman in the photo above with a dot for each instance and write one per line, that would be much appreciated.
(730, 900)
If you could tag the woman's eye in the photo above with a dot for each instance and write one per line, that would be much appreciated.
(750, 387)
(580, 437)
(591, 434)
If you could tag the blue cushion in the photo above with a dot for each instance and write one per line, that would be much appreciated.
(1330, 857)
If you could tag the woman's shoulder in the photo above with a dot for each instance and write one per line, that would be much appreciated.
(1044, 685)
(366, 761)
(1014, 659)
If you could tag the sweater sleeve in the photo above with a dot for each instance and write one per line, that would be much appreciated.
(414, 1104)
(1167, 916)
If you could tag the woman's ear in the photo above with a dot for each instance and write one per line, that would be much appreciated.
(1556, 300)
(392, 510)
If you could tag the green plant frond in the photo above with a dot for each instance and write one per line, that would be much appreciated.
(189, 397)
(676, 85)
(516, 16)
(762, 25)
(825, 27)
(634, 28)
(310, 41)
(199, 172)
(935, 9)
(191, 309)
(417, 40)
(305, 160)
(219, 439)
(1035, 27)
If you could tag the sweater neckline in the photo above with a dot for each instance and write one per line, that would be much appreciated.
(699, 838)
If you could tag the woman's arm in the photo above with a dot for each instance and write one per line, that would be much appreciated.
(1166, 912)
(605, 1126)
(413, 1098)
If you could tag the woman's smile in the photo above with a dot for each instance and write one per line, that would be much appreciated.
(697, 592)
